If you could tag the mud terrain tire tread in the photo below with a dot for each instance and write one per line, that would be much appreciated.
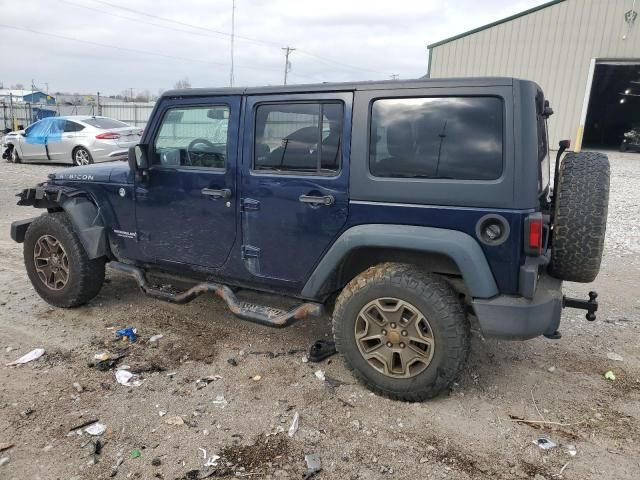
(437, 301)
(580, 219)
(86, 276)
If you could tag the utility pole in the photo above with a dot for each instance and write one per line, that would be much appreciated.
(395, 76)
(131, 94)
(287, 65)
(233, 34)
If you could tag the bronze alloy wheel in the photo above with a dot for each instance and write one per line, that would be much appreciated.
(394, 337)
(51, 262)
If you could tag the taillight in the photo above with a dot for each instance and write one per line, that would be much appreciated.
(534, 234)
(108, 136)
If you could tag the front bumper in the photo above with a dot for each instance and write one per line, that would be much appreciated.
(519, 318)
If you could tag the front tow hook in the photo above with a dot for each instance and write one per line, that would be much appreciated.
(591, 305)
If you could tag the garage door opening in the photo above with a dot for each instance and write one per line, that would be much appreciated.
(614, 105)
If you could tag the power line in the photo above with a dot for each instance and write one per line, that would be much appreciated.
(144, 52)
(248, 39)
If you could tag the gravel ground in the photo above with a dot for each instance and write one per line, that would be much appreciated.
(173, 421)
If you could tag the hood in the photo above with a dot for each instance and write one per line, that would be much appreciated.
(111, 172)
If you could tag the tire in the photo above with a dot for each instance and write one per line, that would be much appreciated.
(81, 156)
(15, 158)
(439, 305)
(623, 147)
(580, 217)
(84, 277)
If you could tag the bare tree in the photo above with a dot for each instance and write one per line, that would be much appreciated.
(143, 96)
(17, 86)
(184, 83)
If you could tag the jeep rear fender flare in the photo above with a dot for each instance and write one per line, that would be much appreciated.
(460, 247)
(83, 212)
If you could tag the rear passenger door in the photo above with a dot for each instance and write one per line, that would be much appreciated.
(62, 139)
(295, 175)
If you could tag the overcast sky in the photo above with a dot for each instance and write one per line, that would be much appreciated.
(162, 41)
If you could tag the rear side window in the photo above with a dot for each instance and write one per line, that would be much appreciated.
(70, 126)
(298, 138)
(105, 123)
(447, 137)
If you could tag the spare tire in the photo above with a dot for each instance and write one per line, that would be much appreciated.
(580, 217)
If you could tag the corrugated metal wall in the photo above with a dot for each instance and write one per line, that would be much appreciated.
(553, 46)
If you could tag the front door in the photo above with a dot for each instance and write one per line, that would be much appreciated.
(33, 142)
(294, 181)
(185, 211)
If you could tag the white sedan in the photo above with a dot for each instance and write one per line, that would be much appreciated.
(80, 140)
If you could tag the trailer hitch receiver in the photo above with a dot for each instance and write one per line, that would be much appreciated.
(591, 305)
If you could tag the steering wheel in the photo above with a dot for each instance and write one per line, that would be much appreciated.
(209, 151)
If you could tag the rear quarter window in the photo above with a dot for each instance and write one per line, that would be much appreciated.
(437, 137)
(105, 123)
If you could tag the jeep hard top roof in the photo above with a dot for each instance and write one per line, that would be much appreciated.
(333, 87)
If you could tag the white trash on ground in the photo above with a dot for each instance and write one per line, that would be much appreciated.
(293, 428)
(29, 357)
(96, 429)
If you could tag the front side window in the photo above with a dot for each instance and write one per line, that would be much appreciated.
(193, 137)
(448, 137)
(303, 138)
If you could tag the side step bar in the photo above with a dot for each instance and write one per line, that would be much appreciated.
(271, 317)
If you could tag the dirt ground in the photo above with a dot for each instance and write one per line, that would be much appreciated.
(176, 423)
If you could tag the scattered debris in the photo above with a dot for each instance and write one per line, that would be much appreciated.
(156, 462)
(220, 401)
(5, 446)
(571, 450)
(233, 362)
(126, 378)
(257, 378)
(293, 428)
(155, 339)
(320, 375)
(29, 357)
(279, 429)
(78, 387)
(545, 443)
(322, 349)
(204, 381)
(293, 351)
(96, 429)
(4, 461)
(610, 376)
(175, 420)
(212, 461)
(83, 424)
(136, 453)
(305, 359)
(128, 333)
(333, 383)
(615, 357)
(314, 465)
(106, 361)
(551, 369)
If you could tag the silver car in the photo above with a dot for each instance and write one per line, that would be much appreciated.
(73, 139)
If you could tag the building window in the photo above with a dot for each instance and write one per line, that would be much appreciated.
(447, 137)
(301, 138)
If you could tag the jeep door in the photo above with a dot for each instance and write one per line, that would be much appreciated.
(294, 181)
(185, 209)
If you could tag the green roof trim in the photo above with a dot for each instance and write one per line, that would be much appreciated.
(498, 22)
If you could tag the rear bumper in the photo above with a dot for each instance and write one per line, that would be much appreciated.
(519, 318)
(19, 229)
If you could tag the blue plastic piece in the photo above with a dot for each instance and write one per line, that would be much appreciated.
(130, 333)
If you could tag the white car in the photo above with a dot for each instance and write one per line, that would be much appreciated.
(73, 139)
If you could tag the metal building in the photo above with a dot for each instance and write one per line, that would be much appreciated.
(585, 54)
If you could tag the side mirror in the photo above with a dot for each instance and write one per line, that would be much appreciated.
(22, 132)
(138, 158)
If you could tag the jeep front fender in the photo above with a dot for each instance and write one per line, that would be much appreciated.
(458, 246)
(82, 211)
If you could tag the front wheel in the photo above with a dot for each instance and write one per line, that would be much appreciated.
(15, 158)
(57, 264)
(81, 156)
(402, 331)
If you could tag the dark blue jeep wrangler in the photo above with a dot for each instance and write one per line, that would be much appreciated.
(406, 207)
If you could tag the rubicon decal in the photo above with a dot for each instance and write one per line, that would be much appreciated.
(76, 176)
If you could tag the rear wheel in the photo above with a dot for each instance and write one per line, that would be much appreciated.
(57, 263)
(580, 218)
(81, 156)
(402, 331)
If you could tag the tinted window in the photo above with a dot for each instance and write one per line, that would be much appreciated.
(105, 123)
(193, 137)
(299, 138)
(70, 126)
(448, 137)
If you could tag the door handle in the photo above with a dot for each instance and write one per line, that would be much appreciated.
(224, 193)
(322, 200)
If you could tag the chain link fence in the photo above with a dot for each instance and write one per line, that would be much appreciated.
(13, 115)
